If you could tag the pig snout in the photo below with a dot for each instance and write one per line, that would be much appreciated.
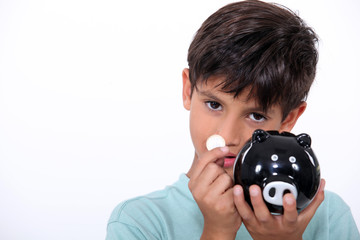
(273, 192)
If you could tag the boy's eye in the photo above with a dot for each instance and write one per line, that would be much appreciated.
(257, 117)
(214, 105)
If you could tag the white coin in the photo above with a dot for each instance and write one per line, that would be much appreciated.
(215, 141)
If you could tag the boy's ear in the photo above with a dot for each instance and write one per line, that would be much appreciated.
(186, 93)
(291, 119)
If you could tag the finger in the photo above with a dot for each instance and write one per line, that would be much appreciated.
(290, 211)
(260, 209)
(210, 173)
(310, 210)
(242, 206)
(208, 176)
(222, 183)
(227, 199)
(206, 158)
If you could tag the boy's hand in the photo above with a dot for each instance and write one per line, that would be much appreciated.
(211, 188)
(261, 224)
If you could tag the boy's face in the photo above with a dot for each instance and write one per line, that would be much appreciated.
(214, 112)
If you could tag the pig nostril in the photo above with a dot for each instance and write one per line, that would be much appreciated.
(272, 192)
(286, 191)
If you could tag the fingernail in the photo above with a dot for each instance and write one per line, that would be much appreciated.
(254, 192)
(224, 149)
(289, 200)
(237, 191)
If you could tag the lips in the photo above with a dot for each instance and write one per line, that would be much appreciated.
(229, 160)
(226, 162)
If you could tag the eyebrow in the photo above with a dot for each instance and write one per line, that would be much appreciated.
(209, 95)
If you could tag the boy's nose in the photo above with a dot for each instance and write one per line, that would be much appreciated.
(231, 130)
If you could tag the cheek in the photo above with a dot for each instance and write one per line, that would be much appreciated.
(199, 132)
(274, 124)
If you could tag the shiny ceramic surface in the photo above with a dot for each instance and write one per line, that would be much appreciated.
(278, 163)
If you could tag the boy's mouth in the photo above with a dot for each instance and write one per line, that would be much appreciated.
(229, 160)
(226, 162)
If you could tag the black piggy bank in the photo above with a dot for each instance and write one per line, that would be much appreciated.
(279, 163)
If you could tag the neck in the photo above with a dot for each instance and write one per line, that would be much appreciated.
(192, 168)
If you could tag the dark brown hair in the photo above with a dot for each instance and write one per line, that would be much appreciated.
(259, 45)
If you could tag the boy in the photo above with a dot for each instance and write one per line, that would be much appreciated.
(251, 65)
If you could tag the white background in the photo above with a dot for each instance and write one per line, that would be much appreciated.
(91, 111)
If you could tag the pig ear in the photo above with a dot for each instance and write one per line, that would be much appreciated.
(259, 136)
(304, 140)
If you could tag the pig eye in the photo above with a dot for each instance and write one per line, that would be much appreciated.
(292, 159)
(274, 157)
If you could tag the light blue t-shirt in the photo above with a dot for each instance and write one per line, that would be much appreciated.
(172, 213)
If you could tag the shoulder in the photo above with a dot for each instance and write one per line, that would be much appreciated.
(150, 206)
(332, 206)
(332, 220)
(333, 197)
(152, 216)
(334, 203)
